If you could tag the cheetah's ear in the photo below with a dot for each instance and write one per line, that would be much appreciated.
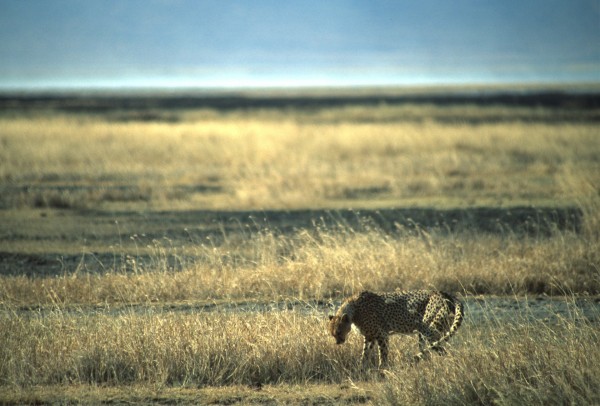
(330, 317)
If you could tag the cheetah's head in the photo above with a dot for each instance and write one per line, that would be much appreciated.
(339, 327)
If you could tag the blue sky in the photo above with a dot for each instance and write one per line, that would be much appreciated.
(179, 43)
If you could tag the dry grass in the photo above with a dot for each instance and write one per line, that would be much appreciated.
(508, 364)
(497, 362)
(80, 332)
(330, 158)
(228, 395)
(329, 264)
(173, 349)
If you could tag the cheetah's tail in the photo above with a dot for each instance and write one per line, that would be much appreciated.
(457, 306)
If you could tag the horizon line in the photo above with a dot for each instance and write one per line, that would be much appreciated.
(431, 85)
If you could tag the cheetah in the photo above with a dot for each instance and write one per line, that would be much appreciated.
(434, 315)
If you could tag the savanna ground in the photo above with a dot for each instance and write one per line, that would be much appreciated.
(187, 249)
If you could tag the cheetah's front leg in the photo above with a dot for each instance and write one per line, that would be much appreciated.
(367, 351)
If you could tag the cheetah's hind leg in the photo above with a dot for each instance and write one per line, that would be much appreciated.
(427, 336)
(423, 352)
(439, 349)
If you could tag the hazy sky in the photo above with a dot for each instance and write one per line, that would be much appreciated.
(82, 43)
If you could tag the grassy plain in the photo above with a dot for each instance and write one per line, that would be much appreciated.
(160, 254)
(340, 157)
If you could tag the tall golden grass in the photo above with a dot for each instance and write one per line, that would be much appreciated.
(339, 157)
(510, 364)
(503, 361)
(330, 158)
(112, 328)
(330, 264)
